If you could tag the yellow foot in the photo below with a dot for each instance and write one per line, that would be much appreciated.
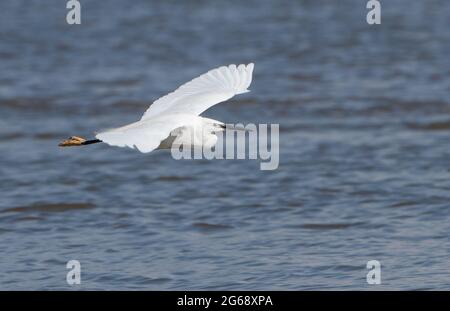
(72, 141)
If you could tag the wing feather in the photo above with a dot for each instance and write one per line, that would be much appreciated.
(145, 135)
(207, 90)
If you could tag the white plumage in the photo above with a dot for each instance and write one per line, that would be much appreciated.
(179, 111)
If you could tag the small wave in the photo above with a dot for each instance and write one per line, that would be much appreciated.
(7, 55)
(28, 103)
(11, 136)
(330, 226)
(29, 218)
(45, 207)
(306, 77)
(403, 204)
(118, 82)
(433, 126)
(208, 226)
(4, 230)
(134, 279)
(175, 178)
(48, 136)
(347, 267)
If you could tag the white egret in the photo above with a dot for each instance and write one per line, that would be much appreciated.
(175, 115)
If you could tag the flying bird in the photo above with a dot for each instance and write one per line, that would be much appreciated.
(176, 116)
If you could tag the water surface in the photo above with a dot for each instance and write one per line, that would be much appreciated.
(364, 114)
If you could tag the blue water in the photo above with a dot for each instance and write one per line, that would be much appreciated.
(364, 173)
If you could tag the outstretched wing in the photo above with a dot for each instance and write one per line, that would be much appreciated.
(145, 135)
(209, 89)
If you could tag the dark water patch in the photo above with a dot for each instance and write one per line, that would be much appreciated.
(2, 230)
(329, 190)
(282, 209)
(132, 279)
(225, 286)
(75, 245)
(28, 103)
(7, 55)
(208, 226)
(254, 205)
(421, 105)
(43, 207)
(422, 289)
(404, 204)
(294, 204)
(6, 81)
(170, 216)
(433, 126)
(54, 261)
(330, 226)
(121, 226)
(298, 127)
(154, 280)
(396, 104)
(49, 136)
(364, 193)
(69, 181)
(11, 136)
(306, 77)
(29, 218)
(117, 82)
(347, 268)
(291, 103)
(121, 215)
(222, 194)
(174, 178)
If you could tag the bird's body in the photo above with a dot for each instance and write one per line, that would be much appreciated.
(175, 118)
(199, 132)
(147, 135)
